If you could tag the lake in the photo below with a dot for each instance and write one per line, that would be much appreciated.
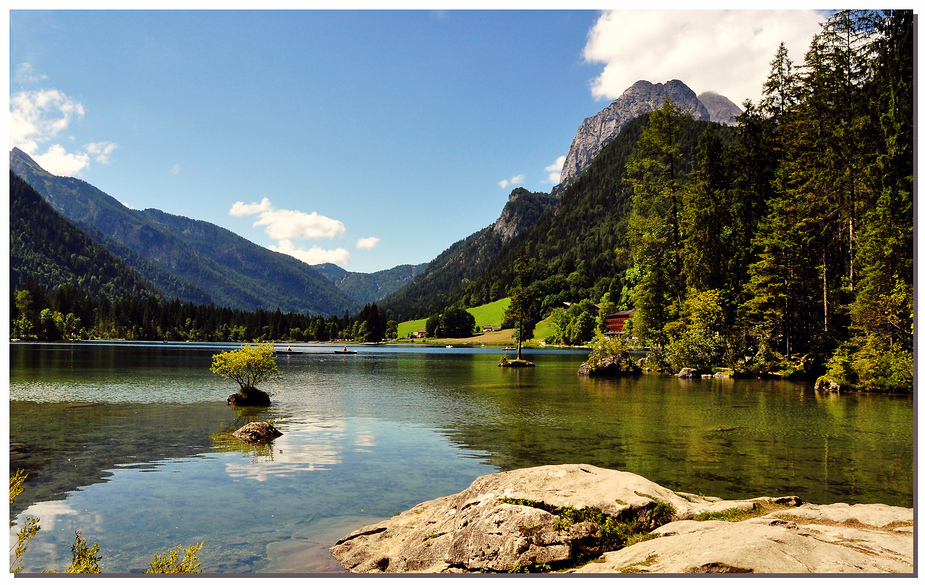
(129, 443)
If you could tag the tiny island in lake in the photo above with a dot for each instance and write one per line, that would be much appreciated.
(694, 354)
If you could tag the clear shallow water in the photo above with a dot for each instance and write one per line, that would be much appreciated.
(129, 443)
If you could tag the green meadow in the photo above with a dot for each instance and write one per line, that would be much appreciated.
(490, 314)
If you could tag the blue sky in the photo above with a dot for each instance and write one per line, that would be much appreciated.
(366, 138)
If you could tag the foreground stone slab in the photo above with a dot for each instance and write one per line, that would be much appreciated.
(514, 521)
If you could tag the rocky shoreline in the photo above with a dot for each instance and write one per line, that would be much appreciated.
(585, 519)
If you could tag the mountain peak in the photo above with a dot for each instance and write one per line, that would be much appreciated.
(638, 99)
(721, 108)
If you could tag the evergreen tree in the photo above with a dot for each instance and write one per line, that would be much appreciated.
(654, 228)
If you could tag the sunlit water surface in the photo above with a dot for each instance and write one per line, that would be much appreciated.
(130, 444)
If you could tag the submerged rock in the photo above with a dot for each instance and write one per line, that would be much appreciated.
(561, 517)
(257, 432)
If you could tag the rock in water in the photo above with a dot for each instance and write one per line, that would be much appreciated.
(688, 373)
(249, 397)
(560, 516)
(257, 432)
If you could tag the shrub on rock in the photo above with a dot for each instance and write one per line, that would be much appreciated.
(248, 366)
(609, 357)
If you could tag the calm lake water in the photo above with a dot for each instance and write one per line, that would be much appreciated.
(129, 443)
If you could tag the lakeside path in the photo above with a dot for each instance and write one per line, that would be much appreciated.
(585, 519)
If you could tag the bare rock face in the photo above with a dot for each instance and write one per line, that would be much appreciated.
(521, 212)
(599, 130)
(583, 518)
(721, 108)
(808, 539)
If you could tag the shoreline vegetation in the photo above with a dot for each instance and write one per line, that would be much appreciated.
(790, 370)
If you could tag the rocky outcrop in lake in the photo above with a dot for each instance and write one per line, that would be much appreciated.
(585, 519)
(257, 433)
(249, 397)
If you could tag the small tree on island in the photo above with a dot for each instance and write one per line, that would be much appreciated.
(522, 311)
(248, 366)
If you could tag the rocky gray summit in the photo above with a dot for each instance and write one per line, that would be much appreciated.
(585, 519)
(642, 97)
(721, 108)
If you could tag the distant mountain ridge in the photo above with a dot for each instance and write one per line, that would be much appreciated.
(642, 97)
(373, 287)
(229, 269)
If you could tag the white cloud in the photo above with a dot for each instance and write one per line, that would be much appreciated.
(314, 255)
(175, 169)
(38, 117)
(101, 151)
(515, 180)
(285, 225)
(26, 74)
(555, 170)
(367, 243)
(726, 51)
(240, 209)
(58, 161)
(282, 224)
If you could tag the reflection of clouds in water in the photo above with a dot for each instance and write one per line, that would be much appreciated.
(364, 441)
(303, 447)
(49, 549)
(48, 512)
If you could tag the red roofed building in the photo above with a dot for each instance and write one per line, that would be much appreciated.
(616, 322)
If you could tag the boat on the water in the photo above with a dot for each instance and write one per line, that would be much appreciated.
(288, 350)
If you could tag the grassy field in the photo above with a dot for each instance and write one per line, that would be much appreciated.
(406, 327)
(490, 314)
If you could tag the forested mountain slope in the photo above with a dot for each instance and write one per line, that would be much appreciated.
(50, 249)
(574, 248)
(231, 270)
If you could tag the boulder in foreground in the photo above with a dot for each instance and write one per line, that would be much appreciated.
(582, 518)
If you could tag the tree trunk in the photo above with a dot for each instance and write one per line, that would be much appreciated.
(520, 334)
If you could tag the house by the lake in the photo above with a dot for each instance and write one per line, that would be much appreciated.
(616, 322)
